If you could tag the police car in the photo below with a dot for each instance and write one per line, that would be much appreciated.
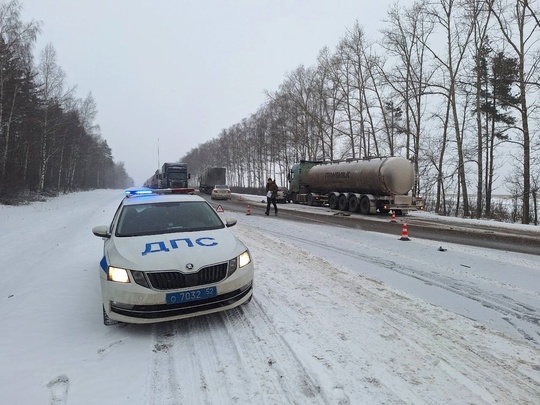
(170, 256)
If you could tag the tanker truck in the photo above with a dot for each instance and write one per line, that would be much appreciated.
(367, 186)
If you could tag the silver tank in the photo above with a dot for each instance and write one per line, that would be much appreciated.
(385, 176)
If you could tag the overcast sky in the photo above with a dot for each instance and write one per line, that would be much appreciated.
(182, 71)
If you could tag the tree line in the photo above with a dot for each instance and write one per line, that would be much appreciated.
(450, 84)
(49, 141)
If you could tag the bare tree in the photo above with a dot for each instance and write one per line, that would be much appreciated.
(51, 82)
(406, 39)
(358, 72)
(457, 32)
(518, 23)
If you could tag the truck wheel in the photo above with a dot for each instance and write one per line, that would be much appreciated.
(364, 205)
(343, 203)
(294, 198)
(354, 204)
(333, 202)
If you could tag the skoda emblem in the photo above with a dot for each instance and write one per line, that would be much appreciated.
(189, 266)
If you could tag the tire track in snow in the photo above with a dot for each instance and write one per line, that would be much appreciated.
(284, 377)
(194, 362)
(472, 366)
(163, 387)
(512, 311)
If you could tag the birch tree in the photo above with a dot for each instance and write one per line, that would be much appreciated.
(518, 21)
(406, 38)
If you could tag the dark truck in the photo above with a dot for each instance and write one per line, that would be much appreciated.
(211, 177)
(173, 176)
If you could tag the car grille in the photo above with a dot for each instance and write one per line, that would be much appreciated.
(173, 280)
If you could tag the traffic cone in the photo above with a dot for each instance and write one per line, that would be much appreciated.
(248, 210)
(393, 216)
(404, 233)
(240, 197)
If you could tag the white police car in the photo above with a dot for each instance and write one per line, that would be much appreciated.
(170, 256)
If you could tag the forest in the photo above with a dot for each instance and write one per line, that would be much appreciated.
(49, 141)
(451, 85)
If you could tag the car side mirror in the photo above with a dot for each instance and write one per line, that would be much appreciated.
(102, 231)
(230, 222)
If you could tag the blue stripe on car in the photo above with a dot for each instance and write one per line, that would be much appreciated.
(103, 264)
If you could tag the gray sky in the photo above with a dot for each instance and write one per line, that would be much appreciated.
(182, 71)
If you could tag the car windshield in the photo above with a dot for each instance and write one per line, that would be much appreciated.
(167, 217)
(222, 187)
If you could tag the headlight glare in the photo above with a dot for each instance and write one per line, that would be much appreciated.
(117, 274)
(244, 259)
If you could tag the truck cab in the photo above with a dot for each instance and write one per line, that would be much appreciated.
(174, 175)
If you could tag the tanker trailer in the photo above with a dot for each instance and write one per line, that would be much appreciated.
(367, 186)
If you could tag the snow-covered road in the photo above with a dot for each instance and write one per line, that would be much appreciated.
(338, 317)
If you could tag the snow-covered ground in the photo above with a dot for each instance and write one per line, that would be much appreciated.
(339, 316)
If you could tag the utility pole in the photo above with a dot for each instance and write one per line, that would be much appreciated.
(158, 153)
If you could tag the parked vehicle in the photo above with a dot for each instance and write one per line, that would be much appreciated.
(170, 256)
(175, 175)
(221, 192)
(172, 175)
(283, 195)
(367, 186)
(210, 177)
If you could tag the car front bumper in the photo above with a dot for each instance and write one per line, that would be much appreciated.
(132, 303)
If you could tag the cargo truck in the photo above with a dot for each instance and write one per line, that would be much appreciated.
(172, 175)
(212, 176)
(367, 186)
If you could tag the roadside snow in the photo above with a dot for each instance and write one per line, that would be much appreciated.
(338, 317)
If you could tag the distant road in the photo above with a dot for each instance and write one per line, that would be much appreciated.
(484, 235)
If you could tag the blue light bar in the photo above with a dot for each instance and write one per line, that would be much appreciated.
(134, 191)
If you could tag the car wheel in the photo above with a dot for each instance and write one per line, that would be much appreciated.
(108, 321)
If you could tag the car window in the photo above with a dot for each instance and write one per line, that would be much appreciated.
(156, 218)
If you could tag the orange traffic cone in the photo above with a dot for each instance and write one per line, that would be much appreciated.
(240, 197)
(248, 210)
(393, 216)
(404, 233)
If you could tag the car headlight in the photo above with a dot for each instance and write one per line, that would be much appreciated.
(244, 259)
(239, 262)
(117, 274)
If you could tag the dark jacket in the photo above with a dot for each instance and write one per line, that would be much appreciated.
(272, 186)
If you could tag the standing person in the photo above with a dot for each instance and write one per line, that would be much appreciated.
(271, 194)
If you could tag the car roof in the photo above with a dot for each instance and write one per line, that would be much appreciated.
(158, 198)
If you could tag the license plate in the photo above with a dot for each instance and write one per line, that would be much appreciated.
(193, 295)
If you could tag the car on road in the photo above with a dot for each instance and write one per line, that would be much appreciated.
(221, 192)
(170, 256)
(283, 195)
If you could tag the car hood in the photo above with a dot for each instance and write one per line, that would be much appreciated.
(173, 251)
